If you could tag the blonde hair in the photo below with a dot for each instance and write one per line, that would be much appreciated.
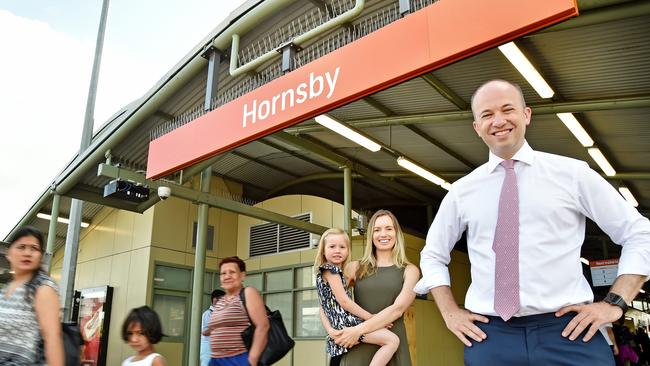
(368, 263)
(320, 252)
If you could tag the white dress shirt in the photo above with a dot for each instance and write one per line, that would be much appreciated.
(556, 193)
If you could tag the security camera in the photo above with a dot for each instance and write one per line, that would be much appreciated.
(164, 192)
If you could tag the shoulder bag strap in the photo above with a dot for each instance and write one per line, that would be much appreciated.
(242, 297)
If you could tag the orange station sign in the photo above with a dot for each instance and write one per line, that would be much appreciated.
(440, 34)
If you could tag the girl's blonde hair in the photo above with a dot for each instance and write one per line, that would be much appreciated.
(368, 263)
(320, 253)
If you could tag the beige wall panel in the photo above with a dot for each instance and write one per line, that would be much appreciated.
(320, 208)
(102, 275)
(167, 256)
(170, 228)
(138, 278)
(358, 245)
(278, 260)
(243, 234)
(253, 264)
(105, 236)
(308, 256)
(436, 345)
(226, 241)
(459, 270)
(84, 275)
(211, 263)
(190, 219)
(287, 205)
(87, 246)
(337, 215)
(124, 226)
(143, 228)
(310, 353)
(173, 352)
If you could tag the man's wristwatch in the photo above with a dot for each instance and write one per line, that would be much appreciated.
(617, 300)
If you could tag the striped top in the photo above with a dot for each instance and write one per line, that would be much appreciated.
(228, 319)
(20, 333)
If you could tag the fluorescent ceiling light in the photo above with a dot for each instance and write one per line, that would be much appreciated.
(347, 132)
(642, 291)
(584, 260)
(629, 197)
(576, 129)
(409, 165)
(62, 220)
(526, 69)
(599, 158)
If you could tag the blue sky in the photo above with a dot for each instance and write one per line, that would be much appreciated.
(47, 51)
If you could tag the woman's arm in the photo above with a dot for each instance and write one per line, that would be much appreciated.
(327, 325)
(46, 305)
(257, 313)
(350, 335)
(342, 297)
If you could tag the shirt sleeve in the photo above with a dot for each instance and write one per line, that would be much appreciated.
(600, 202)
(443, 234)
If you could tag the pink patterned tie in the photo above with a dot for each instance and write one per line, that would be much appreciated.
(506, 246)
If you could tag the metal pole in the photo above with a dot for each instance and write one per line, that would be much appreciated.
(199, 271)
(51, 232)
(76, 207)
(214, 57)
(347, 200)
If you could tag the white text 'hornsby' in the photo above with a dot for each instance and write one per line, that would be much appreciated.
(316, 86)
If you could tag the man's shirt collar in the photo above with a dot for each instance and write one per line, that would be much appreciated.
(525, 154)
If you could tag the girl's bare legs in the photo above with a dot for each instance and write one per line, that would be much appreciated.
(388, 343)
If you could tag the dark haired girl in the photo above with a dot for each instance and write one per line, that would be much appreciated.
(141, 330)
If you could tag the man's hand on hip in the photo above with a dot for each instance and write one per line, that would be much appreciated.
(591, 316)
(461, 323)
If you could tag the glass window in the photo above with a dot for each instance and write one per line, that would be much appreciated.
(308, 322)
(207, 283)
(279, 280)
(173, 278)
(305, 277)
(254, 280)
(282, 302)
(171, 310)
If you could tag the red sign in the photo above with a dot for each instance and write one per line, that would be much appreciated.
(442, 33)
(603, 262)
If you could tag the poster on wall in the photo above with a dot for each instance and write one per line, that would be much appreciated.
(94, 309)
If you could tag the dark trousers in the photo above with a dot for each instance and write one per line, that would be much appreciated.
(536, 340)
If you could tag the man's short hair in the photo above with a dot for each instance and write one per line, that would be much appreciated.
(216, 294)
(515, 85)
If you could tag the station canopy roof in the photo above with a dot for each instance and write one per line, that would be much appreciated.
(598, 65)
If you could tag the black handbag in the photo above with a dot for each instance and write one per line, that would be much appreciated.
(279, 343)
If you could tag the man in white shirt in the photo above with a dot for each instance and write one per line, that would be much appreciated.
(524, 212)
(205, 350)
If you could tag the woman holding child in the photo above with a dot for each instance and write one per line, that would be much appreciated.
(383, 283)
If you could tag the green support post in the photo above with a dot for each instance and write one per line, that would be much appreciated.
(347, 200)
(199, 271)
(51, 232)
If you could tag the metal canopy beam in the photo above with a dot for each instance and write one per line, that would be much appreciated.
(388, 112)
(440, 146)
(328, 153)
(211, 200)
(445, 91)
(545, 108)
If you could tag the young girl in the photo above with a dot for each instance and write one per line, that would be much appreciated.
(141, 330)
(336, 301)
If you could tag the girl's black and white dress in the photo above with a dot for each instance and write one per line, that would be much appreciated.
(338, 317)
